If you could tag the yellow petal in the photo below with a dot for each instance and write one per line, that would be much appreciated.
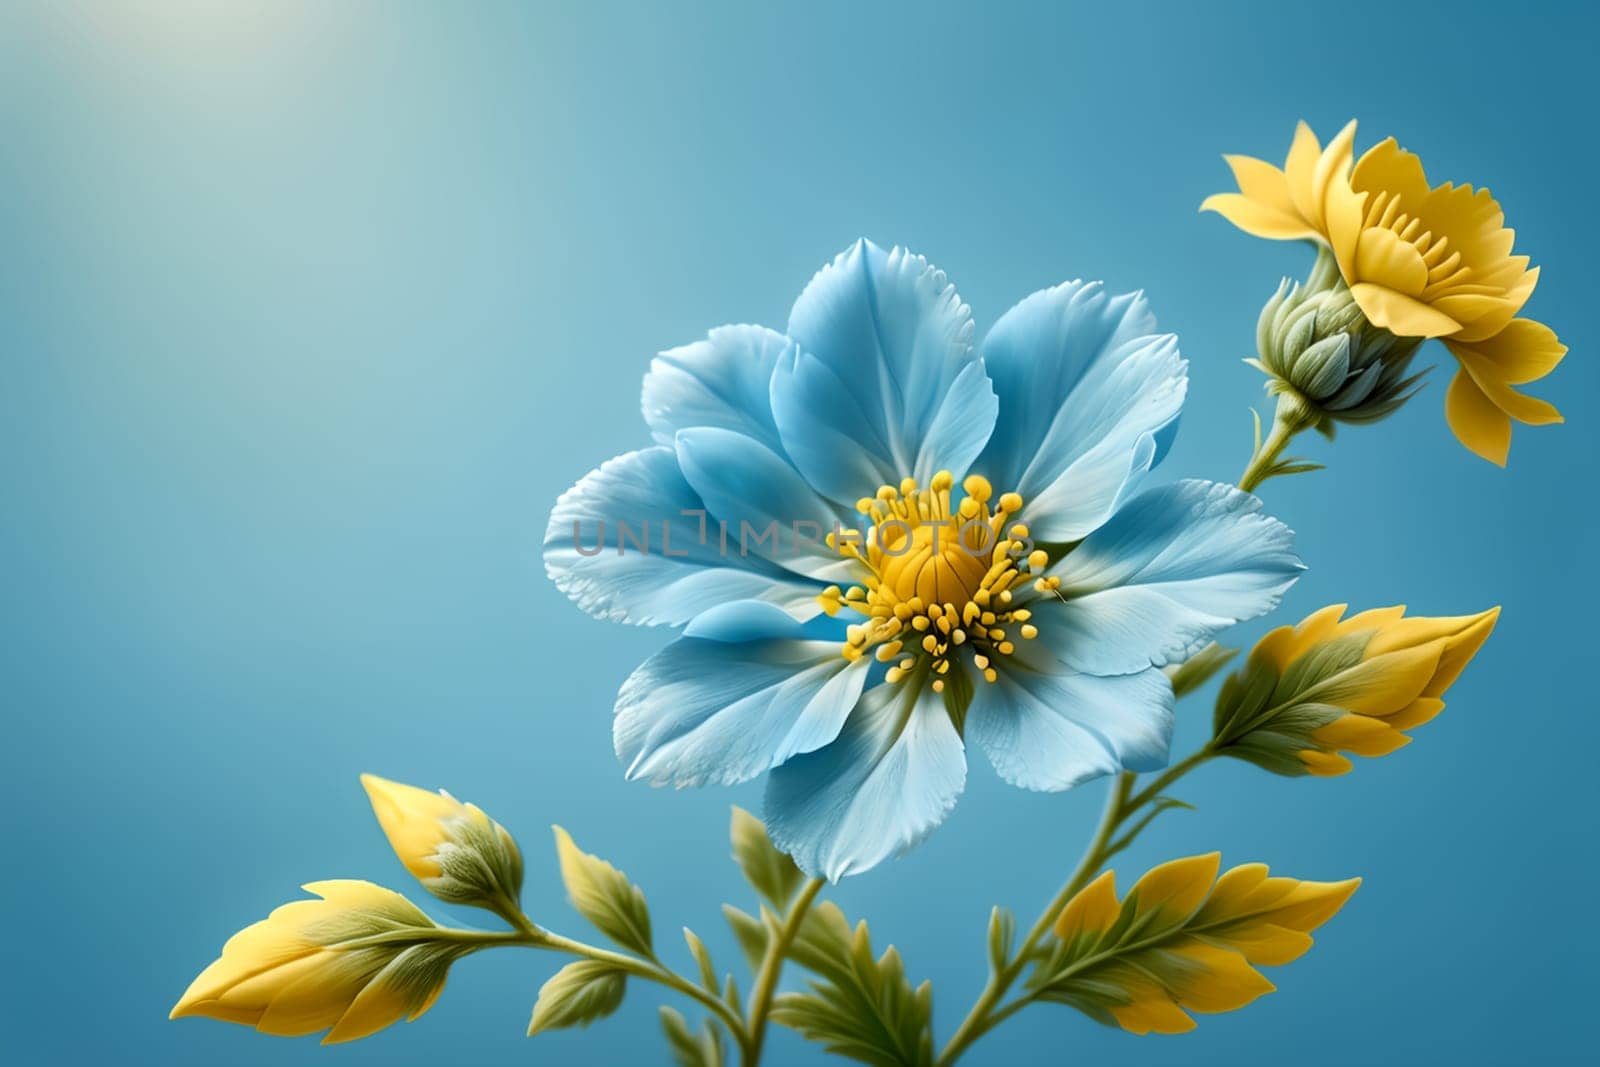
(1324, 764)
(1386, 167)
(1419, 711)
(1179, 886)
(1399, 313)
(1094, 908)
(1225, 981)
(384, 1001)
(1460, 649)
(1268, 944)
(1155, 1014)
(1476, 422)
(1333, 168)
(1384, 259)
(1287, 643)
(1260, 181)
(412, 820)
(1258, 219)
(1373, 619)
(1523, 352)
(1234, 892)
(1300, 171)
(1362, 735)
(1519, 406)
(1310, 904)
(1484, 318)
(1474, 226)
(1382, 682)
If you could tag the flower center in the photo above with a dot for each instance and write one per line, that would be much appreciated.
(940, 577)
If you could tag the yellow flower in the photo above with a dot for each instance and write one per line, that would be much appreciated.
(456, 851)
(1312, 691)
(360, 958)
(1420, 261)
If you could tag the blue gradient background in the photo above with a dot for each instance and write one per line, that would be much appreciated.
(309, 313)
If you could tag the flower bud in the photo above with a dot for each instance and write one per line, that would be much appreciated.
(1317, 346)
(456, 851)
(356, 960)
(1309, 692)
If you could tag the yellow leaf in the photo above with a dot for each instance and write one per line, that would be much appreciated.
(1310, 693)
(1183, 940)
(353, 962)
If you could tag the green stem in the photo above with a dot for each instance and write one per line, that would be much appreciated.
(1291, 417)
(529, 935)
(771, 967)
(651, 970)
(1170, 775)
(1122, 803)
(982, 1018)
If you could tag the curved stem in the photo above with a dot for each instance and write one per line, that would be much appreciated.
(647, 969)
(771, 967)
(1266, 455)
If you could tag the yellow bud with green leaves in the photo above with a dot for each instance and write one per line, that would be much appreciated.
(1183, 940)
(1331, 685)
(352, 962)
(455, 850)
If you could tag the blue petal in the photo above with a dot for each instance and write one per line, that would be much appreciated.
(841, 454)
(1089, 399)
(1046, 727)
(723, 381)
(679, 575)
(768, 509)
(735, 696)
(890, 777)
(896, 337)
(1173, 567)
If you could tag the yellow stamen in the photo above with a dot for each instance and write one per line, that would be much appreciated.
(942, 570)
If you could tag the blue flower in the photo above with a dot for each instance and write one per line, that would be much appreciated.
(859, 602)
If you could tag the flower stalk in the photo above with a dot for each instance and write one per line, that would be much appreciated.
(1123, 802)
(755, 1029)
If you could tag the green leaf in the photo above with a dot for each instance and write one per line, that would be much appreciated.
(689, 1049)
(863, 1008)
(603, 895)
(750, 932)
(771, 873)
(577, 995)
(1199, 668)
(822, 945)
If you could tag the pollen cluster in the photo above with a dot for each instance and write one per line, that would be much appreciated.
(939, 578)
